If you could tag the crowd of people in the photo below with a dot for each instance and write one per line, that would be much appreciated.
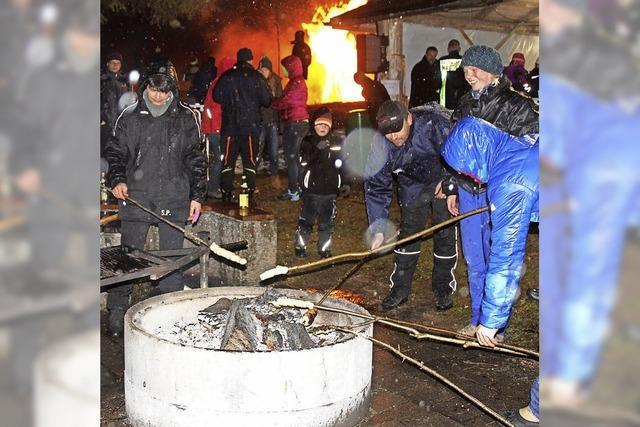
(468, 140)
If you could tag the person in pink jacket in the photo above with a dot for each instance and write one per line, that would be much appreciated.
(295, 119)
(211, 123)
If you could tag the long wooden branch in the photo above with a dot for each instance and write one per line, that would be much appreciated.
(434, 374)
(280, 269)
(465, 342)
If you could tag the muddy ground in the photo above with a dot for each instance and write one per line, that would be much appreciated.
(401, 394)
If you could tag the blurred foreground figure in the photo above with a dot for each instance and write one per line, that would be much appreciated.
(589, 157)
(55, 165)
(508, 165)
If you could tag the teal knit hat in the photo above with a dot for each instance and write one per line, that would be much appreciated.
(484, 57)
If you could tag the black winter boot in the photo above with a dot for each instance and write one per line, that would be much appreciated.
(115, 326)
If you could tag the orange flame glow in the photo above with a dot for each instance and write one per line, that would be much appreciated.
(334, 57)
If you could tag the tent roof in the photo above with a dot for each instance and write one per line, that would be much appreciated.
(518, 16)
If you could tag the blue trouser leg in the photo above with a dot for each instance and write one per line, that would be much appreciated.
(475, 233)
(534, 397)
(598, 221)
(554, 239)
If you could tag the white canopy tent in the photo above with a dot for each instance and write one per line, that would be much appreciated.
(417, 37)
(413, 25)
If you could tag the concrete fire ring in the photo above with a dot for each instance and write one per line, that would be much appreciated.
(169, 384)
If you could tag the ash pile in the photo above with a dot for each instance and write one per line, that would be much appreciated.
(252, 325)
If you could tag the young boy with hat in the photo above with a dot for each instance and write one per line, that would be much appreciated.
(320, 180)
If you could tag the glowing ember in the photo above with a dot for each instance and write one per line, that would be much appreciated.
(334, 57)
(349, 296)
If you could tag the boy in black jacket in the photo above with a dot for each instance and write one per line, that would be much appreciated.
(320, 163)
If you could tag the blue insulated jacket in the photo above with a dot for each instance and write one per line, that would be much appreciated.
(416, 164)
(509, 166)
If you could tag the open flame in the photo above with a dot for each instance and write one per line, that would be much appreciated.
(334, 57)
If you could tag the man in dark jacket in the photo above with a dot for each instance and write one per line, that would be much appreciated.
(373, 92)
(491, 99)
(320, 163)
(452, 76)
(302, 51)
(242, 92)
(425, 81)
(410, 149)
(113, 84)
(155, 157)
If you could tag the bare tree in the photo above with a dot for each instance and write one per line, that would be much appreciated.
(160, 12)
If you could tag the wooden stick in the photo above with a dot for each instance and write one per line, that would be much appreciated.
(454, 334)
(212, 246)
(434, 374)
(279, 270)
(465, 342)
(108, 219)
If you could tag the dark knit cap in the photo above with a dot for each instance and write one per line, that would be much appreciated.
(484, 57)
(265, 62)
(244, 54)
(390, 117)
(114, 54)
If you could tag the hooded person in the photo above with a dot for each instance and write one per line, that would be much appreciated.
(211, 124)
(516, 73)
(113, 85)
(295, 119)
(155, 157)
(320, 180)
(242, 92)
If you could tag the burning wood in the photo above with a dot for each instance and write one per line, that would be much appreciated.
(249, 324)
(349, 296)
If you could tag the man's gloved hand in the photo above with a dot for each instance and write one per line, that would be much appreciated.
(486, 336)
(377, 240)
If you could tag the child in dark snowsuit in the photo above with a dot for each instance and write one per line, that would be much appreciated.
(320, 180)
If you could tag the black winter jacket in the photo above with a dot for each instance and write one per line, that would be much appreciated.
(507, 109)
(425, 83)
(159, 158)
(241, 91)
(112, 87)
(321, 159)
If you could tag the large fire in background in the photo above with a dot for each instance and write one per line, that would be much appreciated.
(334, 57)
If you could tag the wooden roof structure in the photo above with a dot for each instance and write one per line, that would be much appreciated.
(504, 16)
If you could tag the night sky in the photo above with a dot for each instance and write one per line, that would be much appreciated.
(234, 24)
